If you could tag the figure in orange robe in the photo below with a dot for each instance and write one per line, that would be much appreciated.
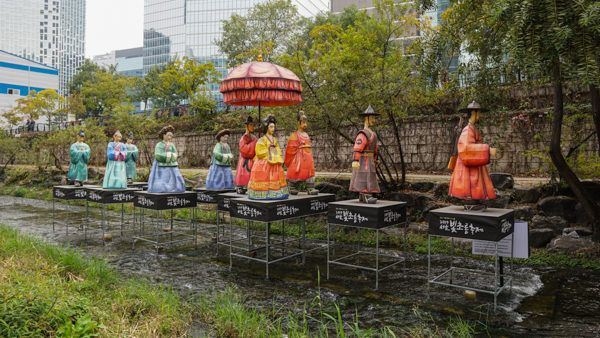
(470, 179)
(299, 160)
(364, 172)
(246, 159)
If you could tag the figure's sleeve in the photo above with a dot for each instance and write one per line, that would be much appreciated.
(262, 149)
(291, 149)
(277, 157)
(360, 143)
(218, 152)
(74, 154)
(135, 153)
(110, 151)
(85, 155)
(123, 152)
(159, 152)
(247, 149)
(173, 153)
(472, 154)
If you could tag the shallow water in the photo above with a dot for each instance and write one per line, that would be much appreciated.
(543, 302)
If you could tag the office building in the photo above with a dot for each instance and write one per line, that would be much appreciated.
(178, 28)
(51, 32)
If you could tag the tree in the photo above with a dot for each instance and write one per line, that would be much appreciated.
(104, 92)
(178, 81)
(269, 29)
(355, 60)
(10, 148)
(545, 39)
(47, 103)
(86, 73)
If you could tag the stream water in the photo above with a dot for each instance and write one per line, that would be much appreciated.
(543, 301)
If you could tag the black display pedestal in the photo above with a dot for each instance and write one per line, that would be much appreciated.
(156, 204)
(105, 197)
(488, 225)
(69, 194)
(354, 214)
(267, 212)
(138, 185)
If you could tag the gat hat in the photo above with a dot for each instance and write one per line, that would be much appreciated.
(301, 115)
(369, 112)
(249, 120)
(472, 106)
(221, 133)
(81, 133)
(130, 135)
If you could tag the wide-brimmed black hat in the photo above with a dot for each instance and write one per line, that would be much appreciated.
(472, 106)
(369, 112)
(249, 120)
(221, 133)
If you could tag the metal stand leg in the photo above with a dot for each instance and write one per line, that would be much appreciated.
(218, 229)
(428, 264)
(376, 259)
(328, 247)
(230, 243)
(496, 277)
(122, 217)
(104, 220)
(53, 214)
(268, 248)
(87, 220)
(303, 241)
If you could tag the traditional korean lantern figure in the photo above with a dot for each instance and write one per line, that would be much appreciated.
(115, 175)
(164, 175)
(132, 157)
(220, 176)
(299, 160)
(267, 179)
(79, 158)
(470, 179)
(246, 160)
(364, 171)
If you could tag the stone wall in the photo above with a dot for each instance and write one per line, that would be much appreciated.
(426, 142)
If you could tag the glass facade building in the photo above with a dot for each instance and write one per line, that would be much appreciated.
(51, 32)
(178, 28)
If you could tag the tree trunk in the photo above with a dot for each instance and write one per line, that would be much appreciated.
(595, 98)
(582, 195)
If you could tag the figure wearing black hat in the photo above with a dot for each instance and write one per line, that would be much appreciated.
(247, 153)
(133, 155)
(470, 178)
(364, 171)
(79, 159)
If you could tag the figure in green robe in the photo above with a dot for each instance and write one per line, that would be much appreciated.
(79, 158)
(131, 160)
(164, 175)
(116, 152)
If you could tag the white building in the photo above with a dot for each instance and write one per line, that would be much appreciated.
(19, 76)
(51, 32)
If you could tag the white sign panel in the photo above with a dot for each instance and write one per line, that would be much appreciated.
(521, 248)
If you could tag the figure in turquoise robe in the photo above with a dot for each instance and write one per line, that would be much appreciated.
(115, 175)
(79, 159)
(131, 161)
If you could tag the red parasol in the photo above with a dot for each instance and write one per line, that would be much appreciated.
(261, 84)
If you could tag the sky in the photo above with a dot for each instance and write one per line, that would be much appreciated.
(112, 25)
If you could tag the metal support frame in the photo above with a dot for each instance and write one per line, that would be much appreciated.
(105, 219)
(174, 235)
(68, 204)
(251, 247)
(502, 281)
(331, 244)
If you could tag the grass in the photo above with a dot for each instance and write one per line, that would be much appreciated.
(46, 290)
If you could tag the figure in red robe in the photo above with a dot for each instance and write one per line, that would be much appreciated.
(247, 154)
(364, 171)
(470, 179)
(299, 160)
